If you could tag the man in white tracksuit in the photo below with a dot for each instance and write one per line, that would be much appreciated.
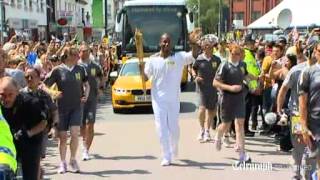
(165, 71)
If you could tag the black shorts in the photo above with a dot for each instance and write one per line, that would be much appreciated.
(232, 107)
(208, 96)
(89, 112)
(68, 118)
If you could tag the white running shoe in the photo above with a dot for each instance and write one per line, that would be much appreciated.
(165, 162)
(74, 166)
(85, 155)
(246, 160)
(236, 148)
(206, 136)
(200, 136)
(62, 168)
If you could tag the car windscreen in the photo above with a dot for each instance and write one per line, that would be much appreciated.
(130, 69)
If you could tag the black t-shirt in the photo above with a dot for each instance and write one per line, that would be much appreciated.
(94, 72)
(25, 114)
(206, 68)
(231, 74)
(46, 102)
(70, 83)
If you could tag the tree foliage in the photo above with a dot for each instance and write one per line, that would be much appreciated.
(209, 14)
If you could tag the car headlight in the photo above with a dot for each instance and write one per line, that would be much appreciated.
(121, 91)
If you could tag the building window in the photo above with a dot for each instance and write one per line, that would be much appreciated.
(255, 15)
(12, 3)
(25, 4)
(19, 4)
(109, 11)
(42, 5)
(238, 16)
(30, 4)
(38, 5)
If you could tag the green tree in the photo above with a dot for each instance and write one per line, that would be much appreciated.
(209, 14)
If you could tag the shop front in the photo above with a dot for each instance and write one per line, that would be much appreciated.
(26, 29)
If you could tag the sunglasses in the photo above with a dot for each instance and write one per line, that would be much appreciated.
(54, 60)
(29, 77)
(236, 54)
(6, 95)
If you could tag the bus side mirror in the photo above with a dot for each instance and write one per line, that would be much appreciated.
(190, 23)
(119, 22)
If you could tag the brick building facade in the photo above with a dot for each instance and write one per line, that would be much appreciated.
(247, 11)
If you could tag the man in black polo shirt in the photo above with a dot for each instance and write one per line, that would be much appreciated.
(204, 70)
(90, 107)
(72, 81)
(27, 122)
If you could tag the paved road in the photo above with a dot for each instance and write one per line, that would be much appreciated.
(126, 147)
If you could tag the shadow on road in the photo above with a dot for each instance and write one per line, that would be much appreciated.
(115, 172)
(190, 87)
(263, 145)
(202, 165)
(262, 140)
(187, 107)
(264, 153)
(97, 156)
(137, 110)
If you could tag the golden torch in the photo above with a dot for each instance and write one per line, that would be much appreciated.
(139, 47)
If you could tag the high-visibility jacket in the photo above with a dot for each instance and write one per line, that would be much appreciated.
(7, 148)
(252, 68)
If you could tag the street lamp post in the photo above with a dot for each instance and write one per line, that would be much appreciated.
(220, 19)
(2, 21)
(106, 17)
(199, 14)
(48, 20)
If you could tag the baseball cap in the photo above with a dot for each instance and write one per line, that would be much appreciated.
(282, 39)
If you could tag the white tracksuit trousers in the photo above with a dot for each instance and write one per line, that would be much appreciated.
(167, 125)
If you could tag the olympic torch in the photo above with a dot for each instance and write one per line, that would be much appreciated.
(139, 47)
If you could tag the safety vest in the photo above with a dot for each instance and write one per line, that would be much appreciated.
(252, 68)
(7, 149)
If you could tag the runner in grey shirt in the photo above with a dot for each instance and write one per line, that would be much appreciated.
(310, 84)
(291, 83)
(309, 106)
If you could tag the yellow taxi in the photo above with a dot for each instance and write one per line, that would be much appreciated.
(127, 90)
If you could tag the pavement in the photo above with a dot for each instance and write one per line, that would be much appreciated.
(126, 147)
